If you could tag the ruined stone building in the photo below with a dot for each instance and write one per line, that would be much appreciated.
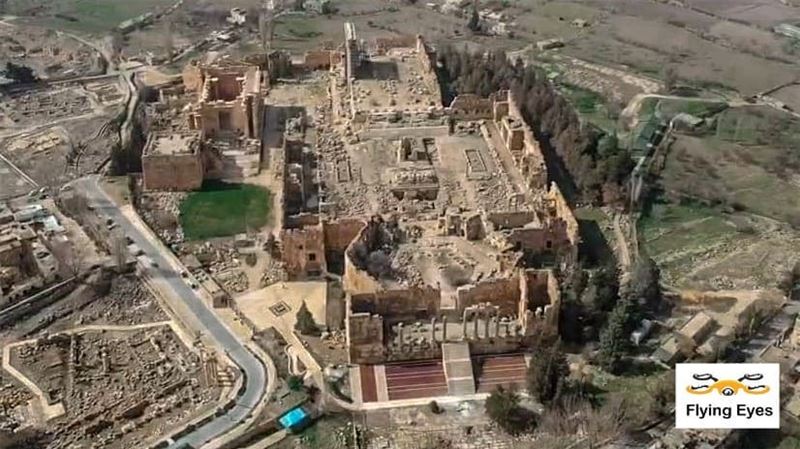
(207, 128)
(27, 234)
(439, 221)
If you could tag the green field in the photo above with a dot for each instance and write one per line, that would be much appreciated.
(759, 126)
(90, 16)
(221, 210)
(590, 105)
(675, 227)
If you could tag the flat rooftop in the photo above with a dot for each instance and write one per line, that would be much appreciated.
(164, 144)
(394, 82)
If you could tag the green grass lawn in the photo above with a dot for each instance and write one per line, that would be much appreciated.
(221, 210)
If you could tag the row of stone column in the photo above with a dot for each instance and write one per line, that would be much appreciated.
(493, 327)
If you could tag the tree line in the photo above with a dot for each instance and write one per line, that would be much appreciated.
(595, 165)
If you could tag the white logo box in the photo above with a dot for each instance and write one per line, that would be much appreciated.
(735, 396)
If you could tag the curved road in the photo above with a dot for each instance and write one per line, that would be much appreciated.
(255, 380)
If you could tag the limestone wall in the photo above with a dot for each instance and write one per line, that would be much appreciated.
(471, 107)
(510, 220)
(358, 281)
(172, 172)
(539, 291)
(531, 162)
(384, 44)
(399, 304)
(365, 338)
(564, 213)
(303, 252)
(503, 293)
(340, 233)
(224, 116)
(192, 78)
(321, 59)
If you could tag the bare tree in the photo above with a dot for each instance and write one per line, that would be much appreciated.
(576, 416)
(116, 42)
(670, 78)
(75, 204)
(75, 260)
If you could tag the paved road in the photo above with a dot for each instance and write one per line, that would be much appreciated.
(254, 371)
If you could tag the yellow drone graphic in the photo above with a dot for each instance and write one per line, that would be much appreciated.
(727, 387)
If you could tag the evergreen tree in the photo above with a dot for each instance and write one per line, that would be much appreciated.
(645, 281)
(502, 407)
(305, 321)
(614, 342)
(547, 374)
(20, 74)
(474, 23)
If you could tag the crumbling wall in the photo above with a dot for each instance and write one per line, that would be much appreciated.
(531, 162)
(503, 293)
(358, 281)
(567, 226)
(172, 172)
(426, 55)
(533, 240)
(365, 338)
(321, 59)
(340, 234)
(540, 298)
(398, 304)
(303, 252)
(223, 116)
(510, 220)
(471, 107)
(192, 78)
(384, 44)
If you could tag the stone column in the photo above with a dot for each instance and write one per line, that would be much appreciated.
(444, 329)
(475, 317)
(486, 321)
(464, 326)
(400, 333)
(433, 330)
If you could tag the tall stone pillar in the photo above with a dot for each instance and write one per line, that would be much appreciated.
(486, 321)
(444, 329)
(464, 326)
(476, 317)
(433, 330)
(400, 333)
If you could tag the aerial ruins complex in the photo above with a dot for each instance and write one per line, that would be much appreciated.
(439, 220)
(208, 127)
